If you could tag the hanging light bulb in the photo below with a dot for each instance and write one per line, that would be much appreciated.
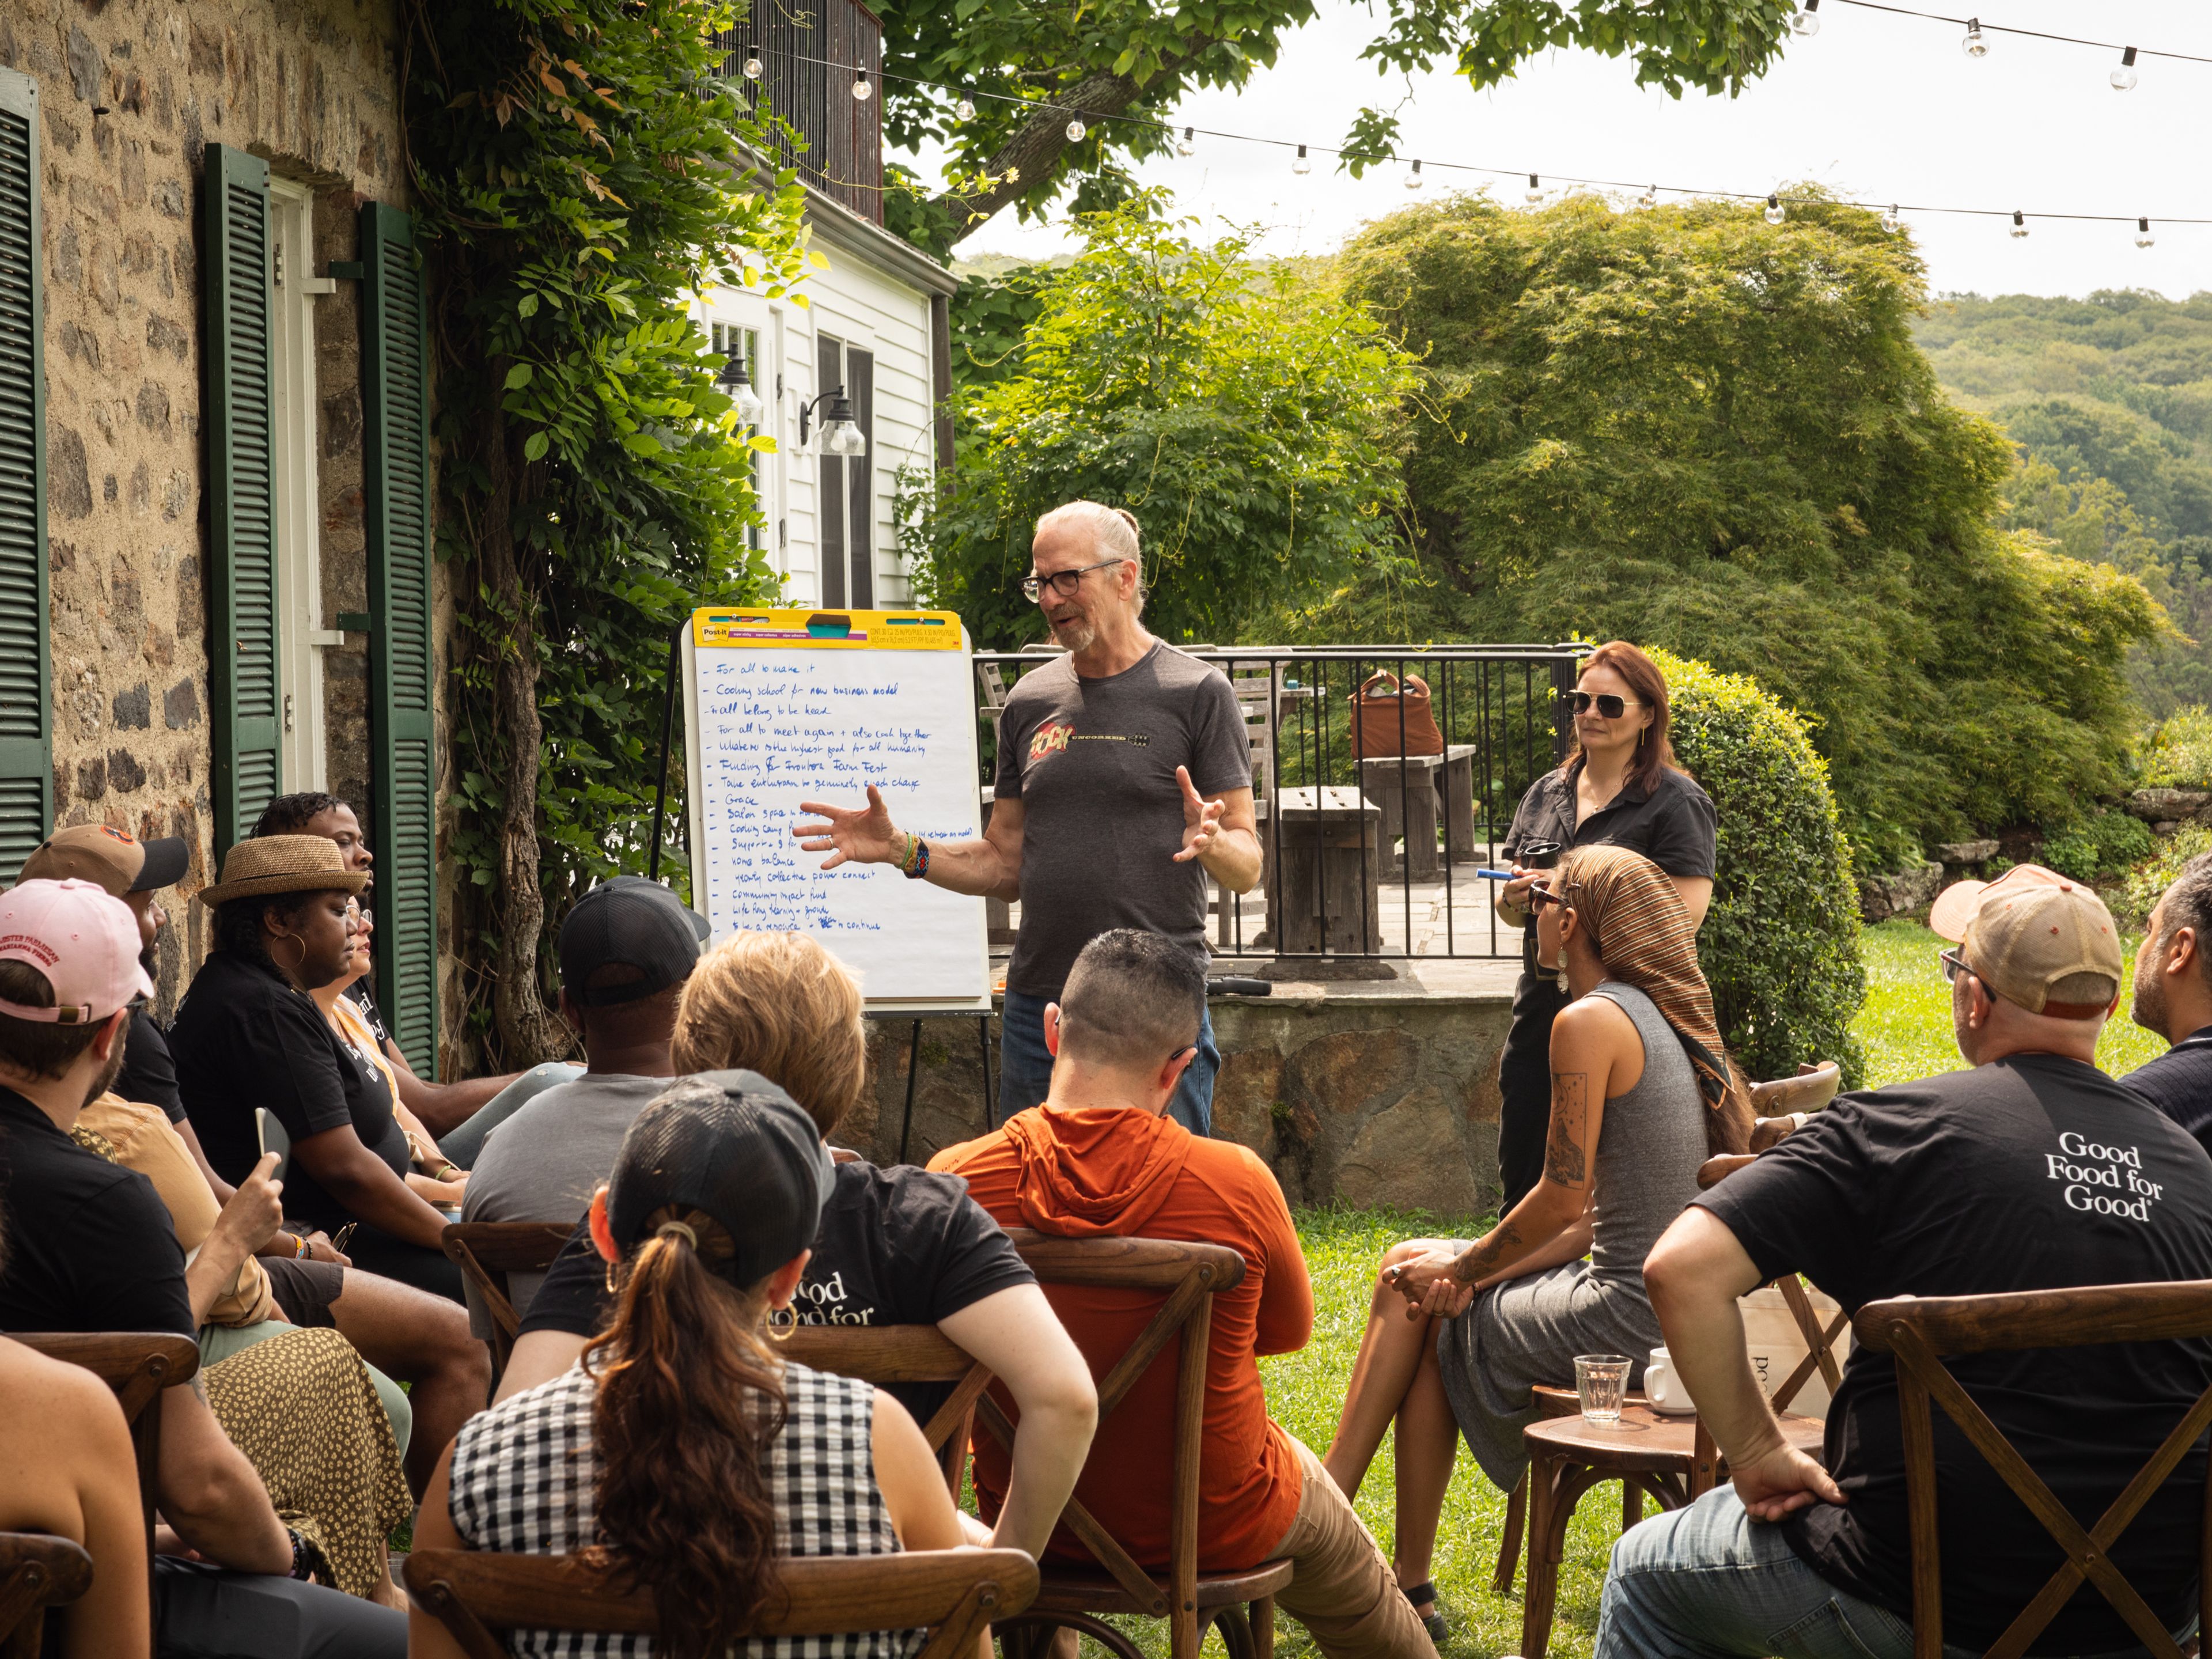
(1774, 214)
(965, 109)
(2143, 238)
(1301, 165)
(1974, 45)
(2019, 225)
(1188, 142)
(752, 63)
(1075, 131)
(1535, 194)
(1808, 18)
(2124, 78)
(861, 90)
(1889, 221)
(1413, 176)
(1648, 200)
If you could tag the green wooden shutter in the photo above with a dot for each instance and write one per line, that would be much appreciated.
(242, 487)
(402, 662)
(27, 776)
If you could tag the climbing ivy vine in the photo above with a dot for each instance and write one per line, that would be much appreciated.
(582, 173)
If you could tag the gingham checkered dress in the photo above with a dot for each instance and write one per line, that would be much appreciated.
(525, 1480)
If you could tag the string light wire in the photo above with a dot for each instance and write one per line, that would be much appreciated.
(1078, 116)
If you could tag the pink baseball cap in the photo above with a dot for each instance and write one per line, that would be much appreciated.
(83, 940)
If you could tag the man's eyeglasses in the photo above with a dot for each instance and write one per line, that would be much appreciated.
(1954, 965)
(1063, 582)
(1609, 706)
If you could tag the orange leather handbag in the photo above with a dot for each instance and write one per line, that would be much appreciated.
(1401, 720)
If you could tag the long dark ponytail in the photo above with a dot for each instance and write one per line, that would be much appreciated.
(690, 1398)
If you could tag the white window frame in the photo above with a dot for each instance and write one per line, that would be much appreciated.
(302, 638)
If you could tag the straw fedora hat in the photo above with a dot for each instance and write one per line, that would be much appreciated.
(282, 864)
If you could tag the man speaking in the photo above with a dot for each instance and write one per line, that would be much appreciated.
(1125, 778)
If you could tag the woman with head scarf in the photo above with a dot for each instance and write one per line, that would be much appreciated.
(1460, 1333)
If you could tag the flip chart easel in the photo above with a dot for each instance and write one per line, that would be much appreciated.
(784, 706)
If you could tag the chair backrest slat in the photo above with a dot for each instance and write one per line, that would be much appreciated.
(1918, 1332)
(37, 1570)
(486, 1252)
(903, 1353)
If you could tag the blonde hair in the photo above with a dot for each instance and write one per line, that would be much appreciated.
(780, 1005)
(1114, 530)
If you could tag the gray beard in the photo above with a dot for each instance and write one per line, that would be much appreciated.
(1080, 637)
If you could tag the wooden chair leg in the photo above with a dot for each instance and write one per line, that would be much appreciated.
(1263, 1628)
(1631, 1504)
(1555, 1487)
(1509, 1544)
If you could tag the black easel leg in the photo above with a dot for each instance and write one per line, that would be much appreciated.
(913, 1071)
(667, 739)
(983, 1032)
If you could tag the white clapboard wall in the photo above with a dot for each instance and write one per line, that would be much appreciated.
(786, 706)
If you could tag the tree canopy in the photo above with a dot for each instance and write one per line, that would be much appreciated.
(1244, 413)
(1026, 65)
(1691, 429)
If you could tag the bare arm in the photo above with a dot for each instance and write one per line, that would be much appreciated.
(428, 1638)
(247, 1222)
(1695, 1274)
(990, 865)
(1016, 1334)
(211, 1494)
(1696, 894)
(365, 1184)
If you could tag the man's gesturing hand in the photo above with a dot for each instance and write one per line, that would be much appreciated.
(851, 835)
(1201, 820)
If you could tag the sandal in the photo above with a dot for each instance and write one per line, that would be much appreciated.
(1431, 1621)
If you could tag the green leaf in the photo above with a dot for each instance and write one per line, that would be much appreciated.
(518, 376)
(534, 447)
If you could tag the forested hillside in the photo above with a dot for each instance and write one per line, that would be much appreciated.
(2110, 398)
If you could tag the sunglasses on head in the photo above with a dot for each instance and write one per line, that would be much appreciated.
(1609, 706)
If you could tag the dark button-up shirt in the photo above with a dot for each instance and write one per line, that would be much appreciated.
(1672, 824)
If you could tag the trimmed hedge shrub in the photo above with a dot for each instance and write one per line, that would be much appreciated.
(1780, 945)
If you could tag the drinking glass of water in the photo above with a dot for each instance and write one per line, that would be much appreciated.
(1600, 1379)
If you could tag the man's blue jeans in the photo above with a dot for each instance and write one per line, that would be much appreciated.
(1708, 1581)
(1025, 1066)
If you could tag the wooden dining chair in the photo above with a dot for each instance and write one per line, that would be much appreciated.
(884, 1354)
(37, 1570)
(486, 1252)
(479, 1594)
(136, 1365)
(1919, 1333)
(1186, 1277)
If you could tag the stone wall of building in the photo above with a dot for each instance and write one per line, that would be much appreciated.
(133, 91)
(1375, 1099)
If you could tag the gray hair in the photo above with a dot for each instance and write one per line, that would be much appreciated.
(2187, 904)
(1113, 530)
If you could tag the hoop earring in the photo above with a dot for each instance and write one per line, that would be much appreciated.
(301, 963)
(612, 1288)
(785, 1332)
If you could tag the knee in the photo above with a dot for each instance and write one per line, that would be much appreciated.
(1411, 1250)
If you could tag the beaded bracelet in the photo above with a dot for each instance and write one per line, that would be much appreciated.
(921, 869)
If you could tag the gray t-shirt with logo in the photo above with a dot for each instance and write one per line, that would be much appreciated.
(1093, 764)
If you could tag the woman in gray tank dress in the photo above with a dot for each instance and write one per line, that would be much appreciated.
(1641, 1096)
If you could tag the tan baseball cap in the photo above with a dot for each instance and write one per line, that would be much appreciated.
(1955, 905)
(113, 859)
(2029, 937)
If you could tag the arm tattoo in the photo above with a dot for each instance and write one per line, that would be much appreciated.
(1479, 1259)
(1564, 1159)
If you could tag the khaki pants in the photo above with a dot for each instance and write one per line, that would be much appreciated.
(1344, 1592)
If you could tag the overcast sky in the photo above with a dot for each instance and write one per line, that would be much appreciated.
(1875, 104)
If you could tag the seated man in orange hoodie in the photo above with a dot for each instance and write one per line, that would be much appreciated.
(1100, 1159)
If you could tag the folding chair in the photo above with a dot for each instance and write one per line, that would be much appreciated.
(136, 1365)
(37, 1571)
(955, 1594)
(486, 1252)
(1919, 1331)
(1187, 1277)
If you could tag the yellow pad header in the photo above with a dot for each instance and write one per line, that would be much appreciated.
(726, 627)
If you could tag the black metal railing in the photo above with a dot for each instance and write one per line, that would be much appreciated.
(1369, 843)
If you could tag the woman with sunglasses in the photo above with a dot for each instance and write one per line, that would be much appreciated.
(1459, 1334)
(1619, 787)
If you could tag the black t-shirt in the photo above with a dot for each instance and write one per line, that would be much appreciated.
(2179, 1084)
(245, 1039)
(2031, 1173)
(90, 1245)
(896, 1247)
(148, 1075)
(362, 999)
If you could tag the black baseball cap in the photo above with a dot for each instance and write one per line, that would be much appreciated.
(732, 1144)
(634, 921)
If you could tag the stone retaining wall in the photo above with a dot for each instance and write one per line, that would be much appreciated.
(1380, 1097)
